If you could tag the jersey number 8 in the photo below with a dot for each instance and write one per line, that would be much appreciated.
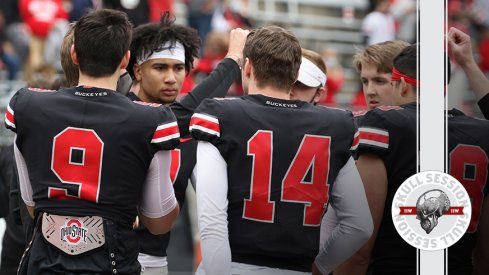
(468, 164)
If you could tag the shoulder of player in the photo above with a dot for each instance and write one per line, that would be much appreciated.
(147, 104)
(23, 97)
(332, 111)
(216, 106)
(145, 108)
(376, 118)
(460, 120)
(389, 108)
(223, 101)
(386, 112)
(150, 111)
(28, 91)
(359, 113)
(39, 90)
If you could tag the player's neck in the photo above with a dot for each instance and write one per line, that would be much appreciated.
(108, 82)
(409, 97)
(269, 91)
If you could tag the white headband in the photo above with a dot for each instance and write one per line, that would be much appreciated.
(177, 52)
(310, 74)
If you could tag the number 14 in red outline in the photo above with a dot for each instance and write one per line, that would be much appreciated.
(313, 153)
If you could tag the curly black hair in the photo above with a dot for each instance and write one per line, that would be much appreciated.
(151, 37)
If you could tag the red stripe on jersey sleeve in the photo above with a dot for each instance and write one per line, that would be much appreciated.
(375, 137)
(356, 140)
(205, 123)
(9, 117)
(166, 132)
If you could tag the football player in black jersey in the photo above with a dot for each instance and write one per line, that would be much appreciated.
(468, 152)
(468, 162)
(461, 47)
(387, 157)
(88, 158)
(162, 54)
(266, 167)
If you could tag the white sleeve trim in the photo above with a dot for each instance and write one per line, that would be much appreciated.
(157, 197)
(210, 174)
(24, 181)
(352, 216)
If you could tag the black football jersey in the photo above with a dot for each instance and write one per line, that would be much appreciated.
(282, 159)
(87, 149)
(468, 150)
(390, 133)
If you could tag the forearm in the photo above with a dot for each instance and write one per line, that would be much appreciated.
(374, 177)
(30, 210)
(477, 80)
(356, 264)
(216, 252)
(215, 85)
(158, 207)
(354, 220)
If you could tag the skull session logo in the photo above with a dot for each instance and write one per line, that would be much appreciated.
(431, 210)
(428, 210)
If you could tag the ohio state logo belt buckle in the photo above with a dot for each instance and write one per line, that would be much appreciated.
(73, 235)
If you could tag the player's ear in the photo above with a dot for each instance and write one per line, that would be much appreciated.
(247, 67)
(74, 59)
(136, 68)
(320, 94)
(125, 60)
(404, 87)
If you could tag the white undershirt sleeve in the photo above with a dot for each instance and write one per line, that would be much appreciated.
(328, 224)
(354, 221)
(24, 181)
(157, 197)
(210, 173)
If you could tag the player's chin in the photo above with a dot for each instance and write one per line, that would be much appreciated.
(168, 99)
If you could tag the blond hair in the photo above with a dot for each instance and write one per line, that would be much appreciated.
(381, 55)
(69, 68)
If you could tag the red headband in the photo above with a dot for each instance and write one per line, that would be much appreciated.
(396, 75)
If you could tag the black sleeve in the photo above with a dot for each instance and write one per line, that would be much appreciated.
(166, 135)
(10, 122)
(215, 85)
(373, 134)
(484, 105)
(204, 124)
